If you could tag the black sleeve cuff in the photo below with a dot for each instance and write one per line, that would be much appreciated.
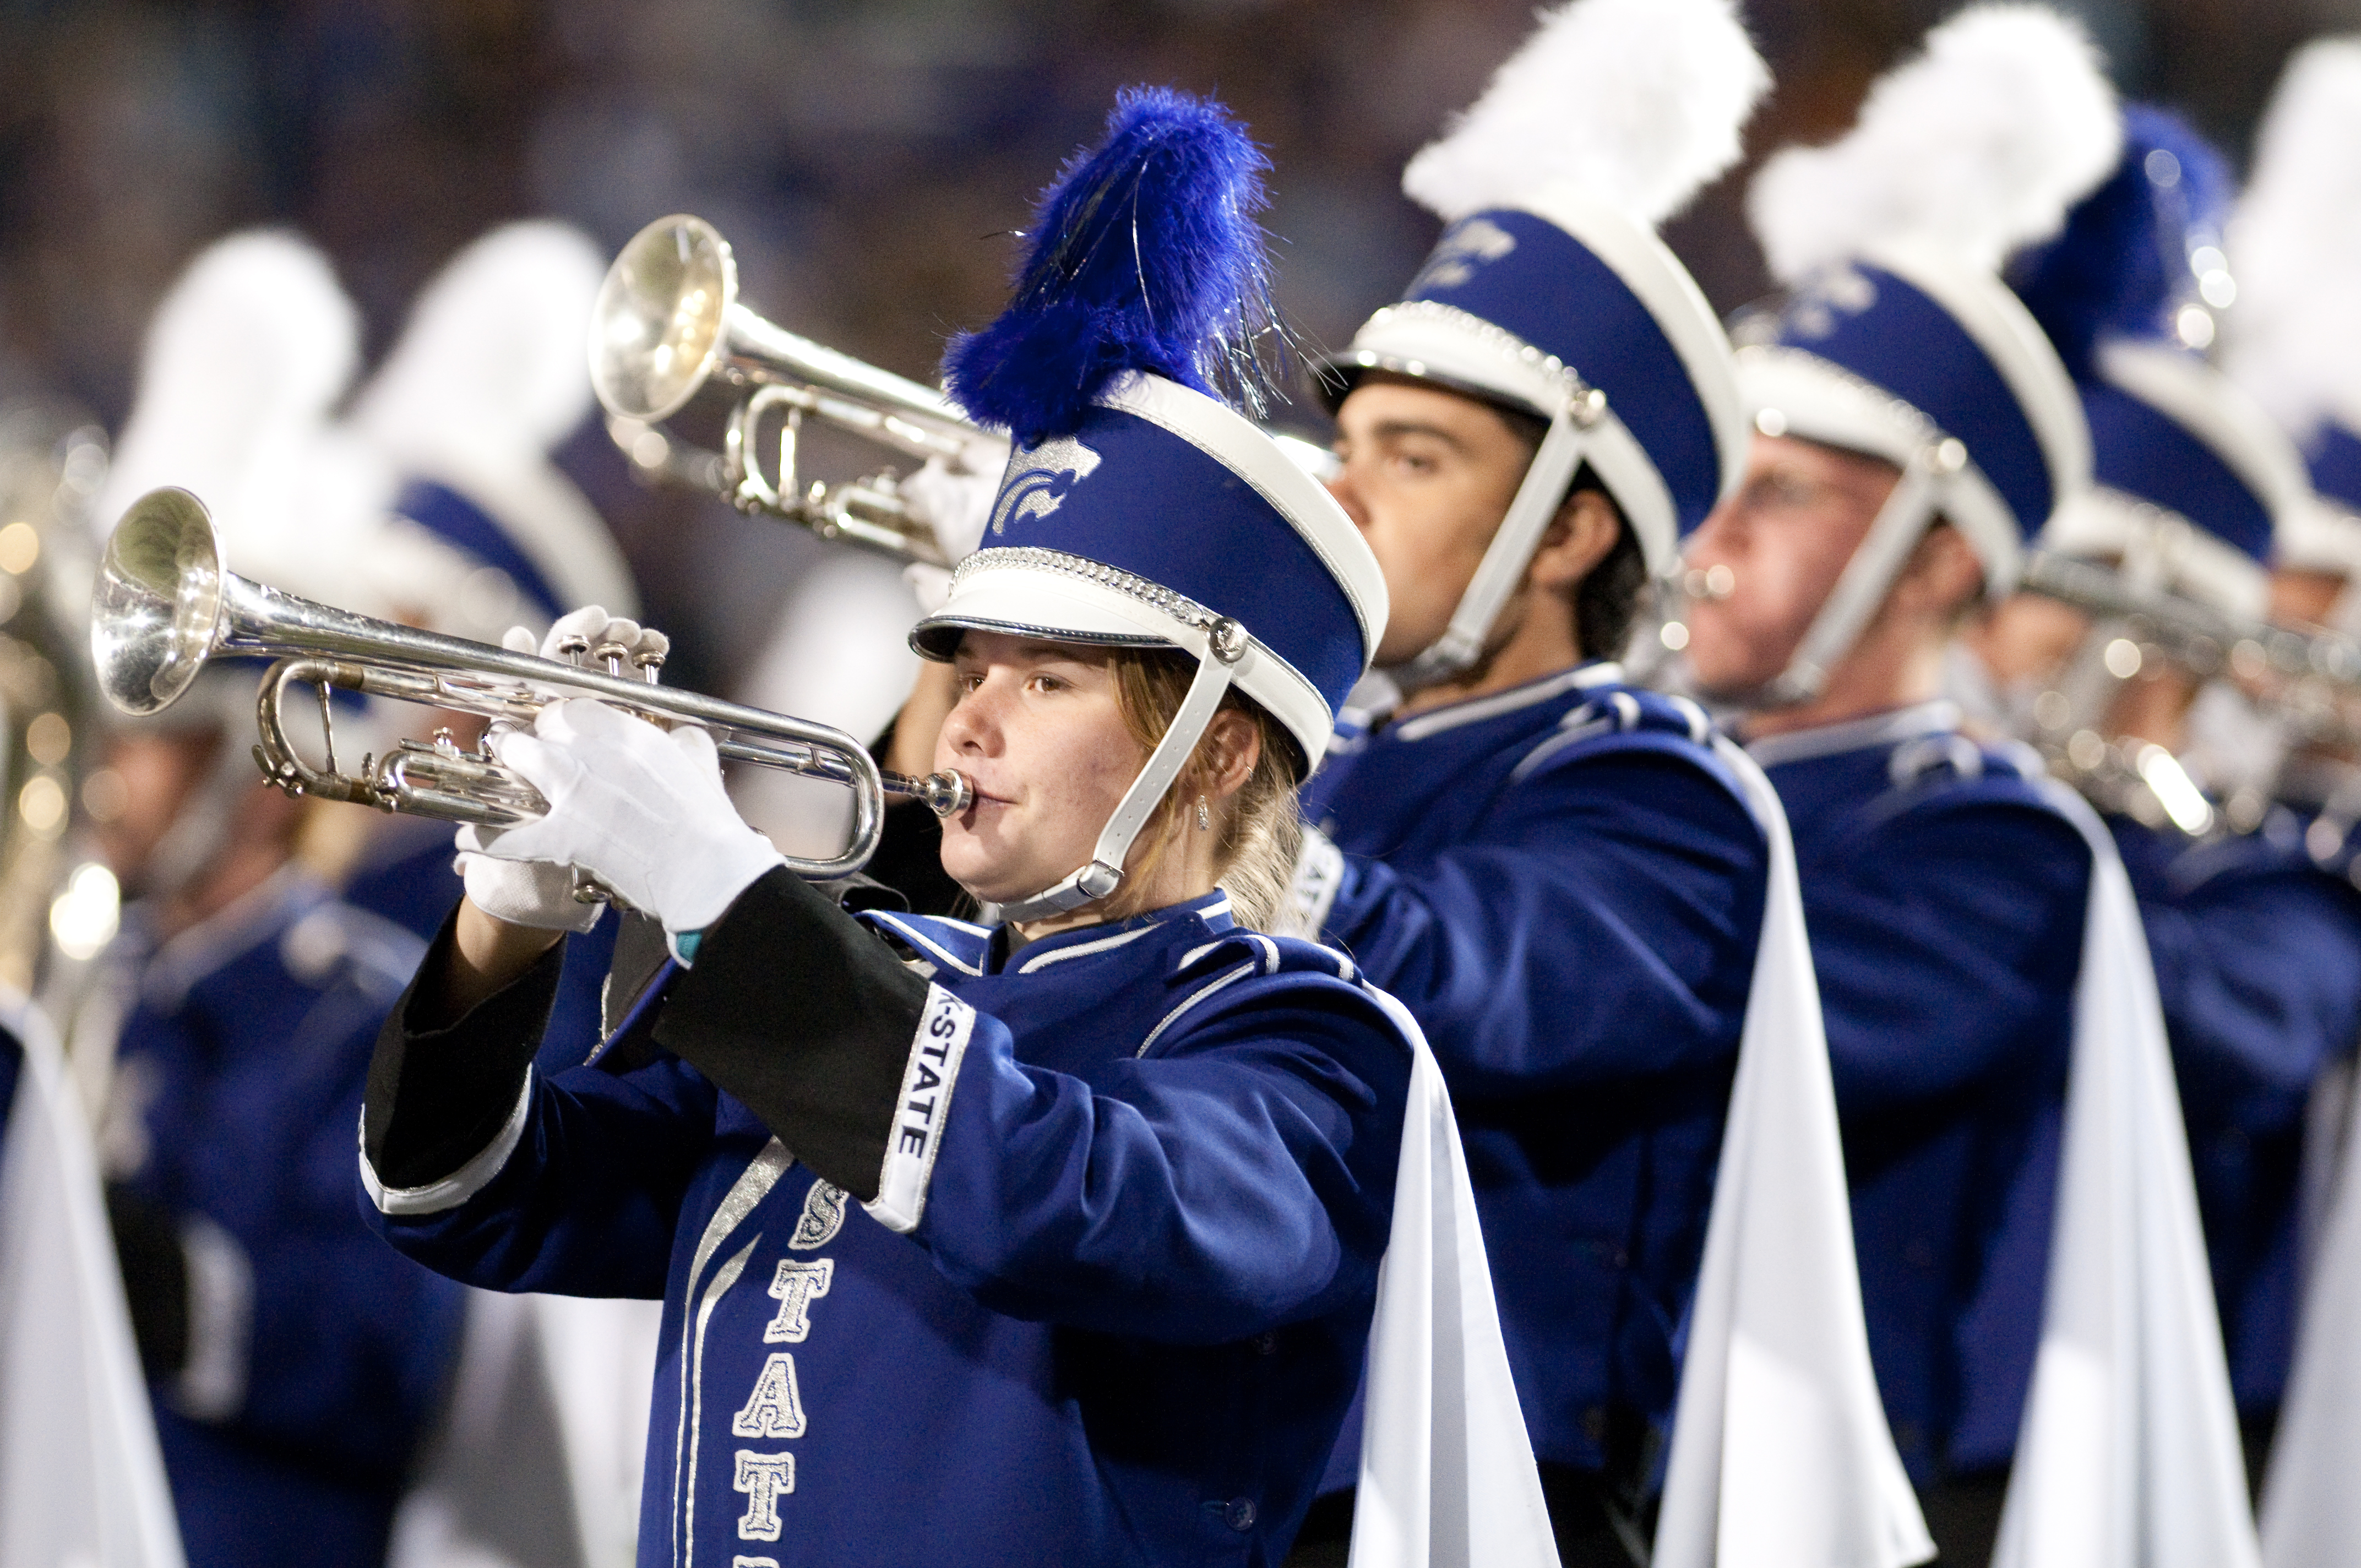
(437, 1098)
(806, 1017)
(155, 1278)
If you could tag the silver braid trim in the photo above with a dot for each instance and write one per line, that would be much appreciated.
(1488, 335)
(1032, 557)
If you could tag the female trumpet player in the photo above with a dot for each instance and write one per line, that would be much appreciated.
(1051, 1242)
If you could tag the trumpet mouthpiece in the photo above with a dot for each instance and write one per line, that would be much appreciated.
(946, 793)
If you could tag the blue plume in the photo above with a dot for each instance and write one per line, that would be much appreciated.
(2121, 268)
(1143, 255)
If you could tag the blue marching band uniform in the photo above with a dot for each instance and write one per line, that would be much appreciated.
(1102, 1246)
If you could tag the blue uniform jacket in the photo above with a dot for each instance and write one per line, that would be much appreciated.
(1944, 898)
(1123, 1329)
(1564, 887)
(408, 876)
(316, 1356)
(2257, 955)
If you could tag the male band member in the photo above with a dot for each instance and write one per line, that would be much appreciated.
(1914, 430)
(1549, 867)
(2257, 954)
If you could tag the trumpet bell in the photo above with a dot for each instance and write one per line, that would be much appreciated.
(661, 318)
(157, 603)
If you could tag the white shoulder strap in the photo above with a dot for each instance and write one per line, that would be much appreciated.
(1779, 1450)
(2128, 1454)
(81, 1477)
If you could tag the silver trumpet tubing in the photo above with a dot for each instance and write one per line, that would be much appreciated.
(668, 320)
(2202, 640)
(2309, 682)
(164, 606)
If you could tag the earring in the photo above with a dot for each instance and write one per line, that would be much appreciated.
(1204, 817)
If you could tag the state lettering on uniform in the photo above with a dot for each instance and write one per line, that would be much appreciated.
(797, 1286)
(823, 1215)
(775, 1409)
(765, 1478)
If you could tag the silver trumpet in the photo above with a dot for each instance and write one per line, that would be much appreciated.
(668, 319)
(164, 606)
(2200, 639)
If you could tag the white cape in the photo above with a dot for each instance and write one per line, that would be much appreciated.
(81, 1482)
(537, 1462)
(1447, 1476)
(2311, 1498)
(2128, 1454)
(1780, 1454)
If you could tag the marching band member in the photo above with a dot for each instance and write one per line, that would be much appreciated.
(2257, 955)
(1051, 1242)
(2290, 342)
(294, 1362)
(1553, 870)
(1915, 428)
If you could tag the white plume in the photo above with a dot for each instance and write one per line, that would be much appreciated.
(495, 359)
(1973, 147)
(2294, 336)
(246, 356)
(492, 372)
(1636, 103)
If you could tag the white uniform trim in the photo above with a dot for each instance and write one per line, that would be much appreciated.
(753, 1184)
(213, 1382)
(1936, 718)
(930, 1074)
(1082, 949)
(1437, 720)
(461, 1184)
(916, 936)
(1194, 997)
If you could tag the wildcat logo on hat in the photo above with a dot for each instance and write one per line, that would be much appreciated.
(1039, 478)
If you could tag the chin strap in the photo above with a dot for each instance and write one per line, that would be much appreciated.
(1555, 464)
(1868, 578)
(1219, 647)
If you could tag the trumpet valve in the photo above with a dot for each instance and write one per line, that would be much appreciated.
(572, 649)
(649, 660)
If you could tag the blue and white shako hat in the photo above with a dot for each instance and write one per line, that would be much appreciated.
(1549, 292)
(2293, 338)
(1898, 339)
(2192, 478)
(1138, 509)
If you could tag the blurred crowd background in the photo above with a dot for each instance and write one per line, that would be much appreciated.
(869, 159)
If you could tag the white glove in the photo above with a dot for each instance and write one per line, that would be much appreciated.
(955, 504)
(540, 893)
(640, 809)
